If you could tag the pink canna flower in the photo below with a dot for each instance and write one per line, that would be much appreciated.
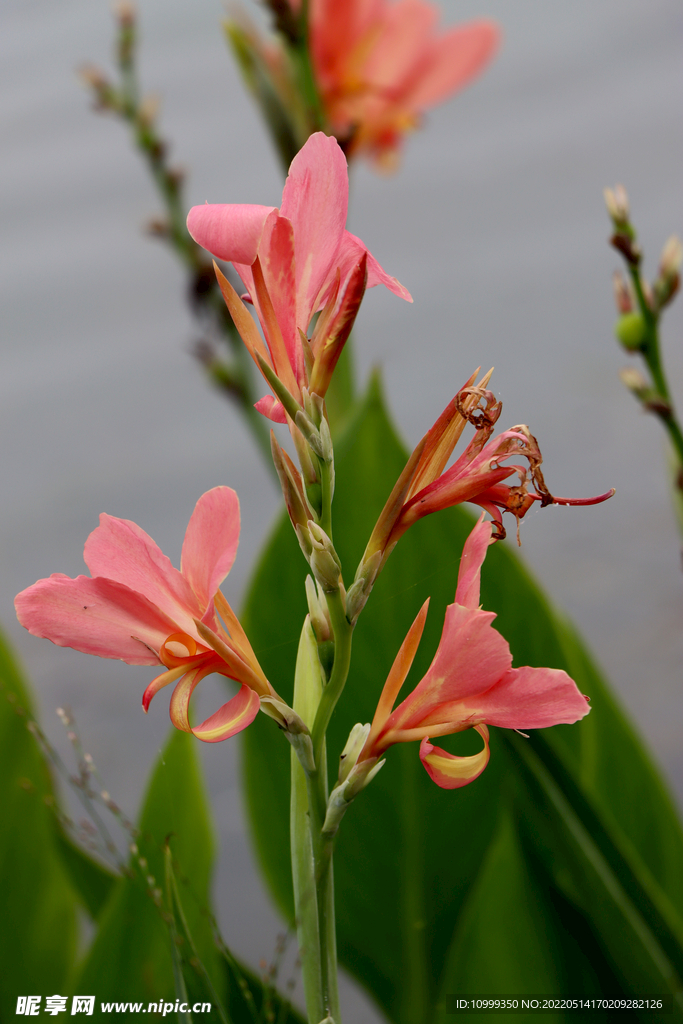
(138, 608)
(294, 262)
(379, 65)
(470, 684)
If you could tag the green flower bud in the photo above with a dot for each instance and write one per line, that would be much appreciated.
(631, 330)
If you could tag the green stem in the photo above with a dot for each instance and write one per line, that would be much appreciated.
(311, 854)
(652, 356)
(343, 636)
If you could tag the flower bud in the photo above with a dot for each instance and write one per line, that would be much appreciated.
(324, 560)
(350, 753)
(668, 282)
(318, 611)
(616, 201)
(360, 776)
(631, 330)
(294, 728)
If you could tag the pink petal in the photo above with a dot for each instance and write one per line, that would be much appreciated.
(271, 408)
(349, 256)
(210, 543)
(530, 698)
(234, 716)
(231, 231)
(315, 199)
(97, 616)
(454, 60)
(276, 254)
(449, 771)
(471, 657)
(469, 574)
(405, 37)
(119, 550)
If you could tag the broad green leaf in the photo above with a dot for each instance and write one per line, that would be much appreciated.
(131, 957)
(410, 856)
(38, 934)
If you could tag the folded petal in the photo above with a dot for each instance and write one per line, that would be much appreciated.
(469, 574)
(276, 255)
(231, 231)
(210, 543)
(530, 698)
(449, 771)
(96, 616)
(315, 199)
(119, 550)
(234, 716)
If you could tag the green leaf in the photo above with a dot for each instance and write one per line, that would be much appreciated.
(131, 957)
(38, 934)
(415, 865)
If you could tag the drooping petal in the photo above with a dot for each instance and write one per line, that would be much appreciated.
(210, 543)
(96, 616)
(469, 574)
(230, 231)
(119, 550)
(315, 199)
(530, 698)
(454, 60)
(159, 683)
(234, 716)
(179, 708)
(449, 771)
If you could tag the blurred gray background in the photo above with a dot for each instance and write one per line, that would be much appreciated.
(495, 222)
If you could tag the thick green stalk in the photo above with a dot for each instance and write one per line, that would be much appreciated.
(311, 859)
(343, 636)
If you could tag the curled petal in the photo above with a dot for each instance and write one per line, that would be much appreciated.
(179, 708)
(158, 684)
(210, 543)
(229, 231)
(234, 716)
(449, 771)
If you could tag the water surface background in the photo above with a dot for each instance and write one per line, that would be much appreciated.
(495, 223)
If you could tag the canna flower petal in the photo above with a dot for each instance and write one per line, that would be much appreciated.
(230, 719)
(315, 199)
(530, 698)
(95, 616)
(210, 543)
(231, 231)
(119, 550)
(449, 771)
